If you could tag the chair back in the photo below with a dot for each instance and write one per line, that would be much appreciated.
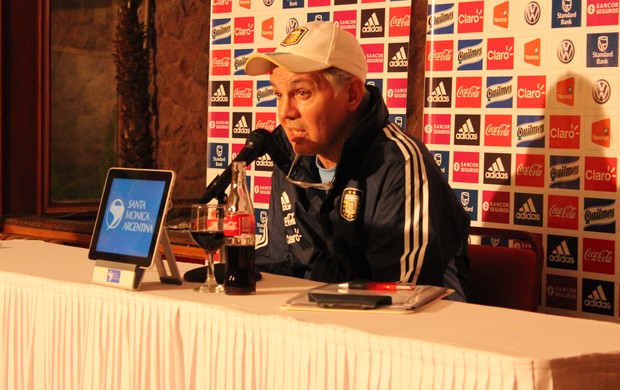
(507, 277)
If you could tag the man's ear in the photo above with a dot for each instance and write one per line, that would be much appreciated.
(357, 90)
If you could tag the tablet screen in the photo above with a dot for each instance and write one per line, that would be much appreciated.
(131, 215)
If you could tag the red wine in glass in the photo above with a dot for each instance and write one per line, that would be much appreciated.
(209, 241)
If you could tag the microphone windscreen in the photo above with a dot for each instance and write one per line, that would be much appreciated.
(260, 141)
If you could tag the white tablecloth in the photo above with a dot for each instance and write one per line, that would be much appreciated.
(58, 330)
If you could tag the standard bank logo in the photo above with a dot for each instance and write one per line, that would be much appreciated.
(566, 13)
(114, 216)
(602, 50)
(218, 155)
(442, 159)
(469, 202)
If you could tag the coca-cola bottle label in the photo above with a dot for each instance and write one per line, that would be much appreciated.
(237, 225)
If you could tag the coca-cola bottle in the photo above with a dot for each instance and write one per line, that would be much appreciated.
(239, 229)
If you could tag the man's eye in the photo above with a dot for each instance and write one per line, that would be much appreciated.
(303, 93)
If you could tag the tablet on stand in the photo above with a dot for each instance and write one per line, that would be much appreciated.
(130, 226)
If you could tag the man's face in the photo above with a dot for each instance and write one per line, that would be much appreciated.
(314, 116)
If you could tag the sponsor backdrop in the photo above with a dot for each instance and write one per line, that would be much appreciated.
(240, 103)
(521, 112)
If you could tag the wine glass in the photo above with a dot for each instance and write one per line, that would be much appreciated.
(207, 230)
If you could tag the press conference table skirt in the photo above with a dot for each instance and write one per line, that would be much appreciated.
(58, 330)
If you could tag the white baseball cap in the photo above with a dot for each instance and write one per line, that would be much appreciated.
(312, 47)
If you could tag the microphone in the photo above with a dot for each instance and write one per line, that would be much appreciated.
(257, 144)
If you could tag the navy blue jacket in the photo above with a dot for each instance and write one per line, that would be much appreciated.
(390, 215)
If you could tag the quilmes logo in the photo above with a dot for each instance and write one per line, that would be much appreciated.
(598, 297)
(265, 96)
(564, 172)
(563, 251)
(499, 92)
(438, 92)
(241, 56)
(221, 32)
(528, 209)
(599, 215)
(440, 19)
(114, 215)
(530, 131)
(470, 54)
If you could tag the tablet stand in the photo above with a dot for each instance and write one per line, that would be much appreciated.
(129, 276)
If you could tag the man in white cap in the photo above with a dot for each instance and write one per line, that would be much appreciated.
(360, 199)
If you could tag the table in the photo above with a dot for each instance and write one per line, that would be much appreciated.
(58, 330)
